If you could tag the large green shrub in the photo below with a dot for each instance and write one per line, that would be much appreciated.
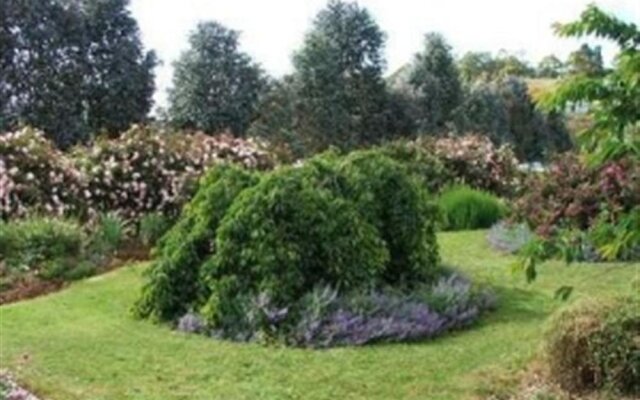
(174, 283)
(393, 202)
(466, 208)
(353, 222)
(286, 235)
(594, 345)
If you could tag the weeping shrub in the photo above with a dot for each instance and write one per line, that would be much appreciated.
(465, 208)
(174, 285)
(286, 235)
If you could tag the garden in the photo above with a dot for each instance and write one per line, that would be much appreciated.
(302, 254)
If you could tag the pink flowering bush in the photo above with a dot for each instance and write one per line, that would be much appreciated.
(475, 161)
(35, 176)
(145, 170)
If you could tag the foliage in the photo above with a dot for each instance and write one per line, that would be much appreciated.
(283, 237)
(421, 162)
(485, 67)
(572, 195)
(174, 285)
(153, 171)
(152, 227)
(475, 161)
(592, 345)
(351, 222)
(329, 319)
(435, 84)
(342, 97)
(25, 244)
(509, 237)
(465, 208)
(550, 67)
(35, 177)
(73, 68)
(613, 98)
(586, 61)
(108, 233)
(216, 87)
(484, 111)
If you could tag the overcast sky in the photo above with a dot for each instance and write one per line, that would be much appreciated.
(273, 29)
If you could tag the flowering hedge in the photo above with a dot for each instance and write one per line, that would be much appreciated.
(35, 176)
(475, 161)
(144, 170)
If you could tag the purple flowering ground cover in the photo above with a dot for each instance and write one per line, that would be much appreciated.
(81, 343)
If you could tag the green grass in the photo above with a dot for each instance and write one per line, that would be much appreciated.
(82, 344)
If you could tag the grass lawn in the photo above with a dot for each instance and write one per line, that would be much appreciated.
(82, 344)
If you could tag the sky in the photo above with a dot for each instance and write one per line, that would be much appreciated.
(271, 30)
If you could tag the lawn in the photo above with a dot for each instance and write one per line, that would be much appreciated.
(81, 343)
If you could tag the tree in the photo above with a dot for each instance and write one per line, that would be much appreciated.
(435, 82)
(484, 111)
(586, 61)
(550, 67)
(72, 67)
(511, 65)
(120, 83)
(342, 96)
(216, 87)
(474, 66)
(613, 96)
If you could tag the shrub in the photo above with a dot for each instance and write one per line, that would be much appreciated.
(149, 171)
(593, 345)
(35, 177)
(174, 285)
(572, 195)
(475, 161)
(466, 208)
(286, 235)
(327, 317)
(509, 237)
(405, 217)
(27, 243)
(152, 227)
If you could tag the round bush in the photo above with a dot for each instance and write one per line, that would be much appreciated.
(465, 208)
(594, 345)
(283, 237)
(174, 284)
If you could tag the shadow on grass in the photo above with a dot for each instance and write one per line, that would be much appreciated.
(520, 305)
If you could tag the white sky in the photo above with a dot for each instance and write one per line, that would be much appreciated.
(273, 29)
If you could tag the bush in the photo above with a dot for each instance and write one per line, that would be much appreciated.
(327, 317)
(174, 285)
(27, 243)
(354, 222)
(593, 345)
(572, 195)
(35, 177)
(475, 161)
(152, 227)
(286, 235)
(147, 171)
(405, 217)
(466, 208)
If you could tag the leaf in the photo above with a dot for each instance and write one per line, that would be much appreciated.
(563, 293)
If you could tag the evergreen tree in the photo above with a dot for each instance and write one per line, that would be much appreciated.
(343, 98)
(586, 61)
(436, 85)
(216, 87)
(550, 67)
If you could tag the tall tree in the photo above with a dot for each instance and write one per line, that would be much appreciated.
(342, 94)
(72, 67)
(435, 81)
(586, 61)
(120, 83)
(216, 87)
(550, 67)
(474, 66)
